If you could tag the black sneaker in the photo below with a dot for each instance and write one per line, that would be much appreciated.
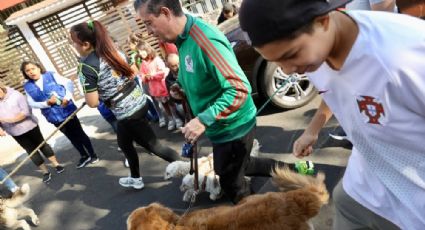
(47, 177)
(60, 169)
(94, 160)
(83, 162)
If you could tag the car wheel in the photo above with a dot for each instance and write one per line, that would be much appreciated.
(297, 91)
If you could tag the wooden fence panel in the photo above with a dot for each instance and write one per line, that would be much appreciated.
(13, 50)
(53, 30)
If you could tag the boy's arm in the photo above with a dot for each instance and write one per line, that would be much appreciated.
(385, 5)
(303, 146)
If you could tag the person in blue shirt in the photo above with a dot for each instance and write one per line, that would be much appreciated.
(52, 94)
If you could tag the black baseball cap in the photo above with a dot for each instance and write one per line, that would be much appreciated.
(268, 20)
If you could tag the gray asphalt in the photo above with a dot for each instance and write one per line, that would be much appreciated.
(91, 198)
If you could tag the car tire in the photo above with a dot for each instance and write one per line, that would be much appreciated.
(298, 93)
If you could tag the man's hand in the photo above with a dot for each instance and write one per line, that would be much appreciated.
(303, 146)
(176, 92)
(193, 130)
(52, 100)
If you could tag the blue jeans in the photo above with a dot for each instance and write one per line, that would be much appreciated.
(10, 185)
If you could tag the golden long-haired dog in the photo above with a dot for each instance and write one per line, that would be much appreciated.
(300, 198)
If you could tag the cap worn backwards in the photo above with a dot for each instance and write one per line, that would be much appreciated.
(268, 20)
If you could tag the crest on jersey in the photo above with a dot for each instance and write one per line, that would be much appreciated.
(372, 109)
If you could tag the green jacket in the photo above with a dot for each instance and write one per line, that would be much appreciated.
(217, 89)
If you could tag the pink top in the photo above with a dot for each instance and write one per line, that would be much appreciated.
(10, 106)
(157, 70)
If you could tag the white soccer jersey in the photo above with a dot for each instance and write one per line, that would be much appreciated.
(378, 97)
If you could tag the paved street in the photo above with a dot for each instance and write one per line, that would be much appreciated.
(91, 198)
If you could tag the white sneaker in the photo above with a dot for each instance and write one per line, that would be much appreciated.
(136, 183)
(171, 125)
(179, 123)
(162, 122)
(126, 164)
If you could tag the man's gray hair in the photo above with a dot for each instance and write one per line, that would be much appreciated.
(154, 6)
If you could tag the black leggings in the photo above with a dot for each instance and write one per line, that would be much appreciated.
(30, 140)
(136, 128)
(232, 161)
(79, 139)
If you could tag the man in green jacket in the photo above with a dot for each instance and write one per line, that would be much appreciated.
(217, 90)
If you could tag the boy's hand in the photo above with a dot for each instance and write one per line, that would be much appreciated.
(303, 146)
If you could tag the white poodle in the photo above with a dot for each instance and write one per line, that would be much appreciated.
(182, 168)
(207, 180)
(208, 183)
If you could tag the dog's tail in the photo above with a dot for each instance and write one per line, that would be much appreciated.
(18, 197)
(287, 180)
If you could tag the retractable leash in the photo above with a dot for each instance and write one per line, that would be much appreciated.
(43, 143)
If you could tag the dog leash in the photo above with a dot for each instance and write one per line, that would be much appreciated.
(285, 82)
(190, 150)
(43, 143)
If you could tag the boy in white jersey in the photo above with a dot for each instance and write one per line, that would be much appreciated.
(370, 66)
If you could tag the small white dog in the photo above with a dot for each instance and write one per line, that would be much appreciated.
(208, 183)
(207, 179)
(182, 168)
(12, 211)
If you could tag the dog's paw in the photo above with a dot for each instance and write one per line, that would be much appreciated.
(186, 198)
(188, 195)
(25, 188)
(216, 195)
(35, 221)
(213, 197)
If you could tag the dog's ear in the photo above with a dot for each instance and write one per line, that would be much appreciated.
(134, 219)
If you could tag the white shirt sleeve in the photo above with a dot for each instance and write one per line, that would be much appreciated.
(67, 83)
(37, 105)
